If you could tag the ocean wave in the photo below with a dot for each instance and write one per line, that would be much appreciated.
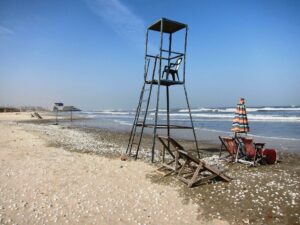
(274, 118)
(90, 116)
(224, 110)
(251, 135)
(278, 109)
(230, 116)
(113, 113)
(276, 138)
(248, 109)
(197, 110)
(200, 110)
(123, 122)
(203, 115)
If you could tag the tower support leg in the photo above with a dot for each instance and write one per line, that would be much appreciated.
(192, 123)
(168, 118)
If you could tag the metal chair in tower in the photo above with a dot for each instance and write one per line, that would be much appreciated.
(172, 70)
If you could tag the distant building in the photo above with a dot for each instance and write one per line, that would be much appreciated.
(59, 107)
(9, 109)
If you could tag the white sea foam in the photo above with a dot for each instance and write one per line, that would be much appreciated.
(200, 110)
(123, 122)
(251, 135)
(249, 109)
(91, 116)
(273, 118)
(197, 110)
(278, 109)
(118, 116)
(281, 138)
(113, 113)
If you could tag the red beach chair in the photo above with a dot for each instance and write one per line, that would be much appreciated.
(229, 144)
(256, 152)
(250, 150)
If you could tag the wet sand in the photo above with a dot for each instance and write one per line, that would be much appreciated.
(46, 178)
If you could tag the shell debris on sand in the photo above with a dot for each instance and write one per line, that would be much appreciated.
(47, 185)
(261, 195)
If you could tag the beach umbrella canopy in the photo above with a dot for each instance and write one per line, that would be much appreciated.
(70, 109)
(240, 122)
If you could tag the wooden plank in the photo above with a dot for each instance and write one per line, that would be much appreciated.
(163, 165)
(196, 174)
(169, 167)
(205, 179)
(197, 166)
(220, 174)
(183, 180)
(166, 146)
(182, 168)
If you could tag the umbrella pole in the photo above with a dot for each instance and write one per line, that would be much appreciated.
(238, 148)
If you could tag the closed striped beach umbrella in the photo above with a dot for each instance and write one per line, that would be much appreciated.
(240, 122)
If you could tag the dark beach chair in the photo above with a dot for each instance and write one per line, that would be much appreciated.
(38, 115)
(199, 171)
(173, 165)
(172, 69)
(230, 145)
(193, 170)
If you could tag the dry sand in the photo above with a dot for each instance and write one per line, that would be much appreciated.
(40, 184)
(19, 116)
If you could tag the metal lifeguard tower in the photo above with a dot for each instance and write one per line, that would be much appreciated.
(168, 69)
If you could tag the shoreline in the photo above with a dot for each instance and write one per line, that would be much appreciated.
(204, 136)
(206, 147)
(260, 195)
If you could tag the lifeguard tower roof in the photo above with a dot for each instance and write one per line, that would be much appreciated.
(169, 26)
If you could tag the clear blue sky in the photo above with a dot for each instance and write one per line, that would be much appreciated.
(89, 53)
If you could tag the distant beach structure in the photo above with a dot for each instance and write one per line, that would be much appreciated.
(9, 109)
(59, 107)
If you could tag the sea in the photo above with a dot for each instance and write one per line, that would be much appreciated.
(277, 126)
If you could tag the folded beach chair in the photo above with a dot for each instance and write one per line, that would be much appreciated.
(200, 172)
(193, 170)
(173, 165)
(38, 115)
(230, 145)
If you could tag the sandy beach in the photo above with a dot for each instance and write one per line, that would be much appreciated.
(59, 175)
(116, 112)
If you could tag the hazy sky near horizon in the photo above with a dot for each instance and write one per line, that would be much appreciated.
(90, 53)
